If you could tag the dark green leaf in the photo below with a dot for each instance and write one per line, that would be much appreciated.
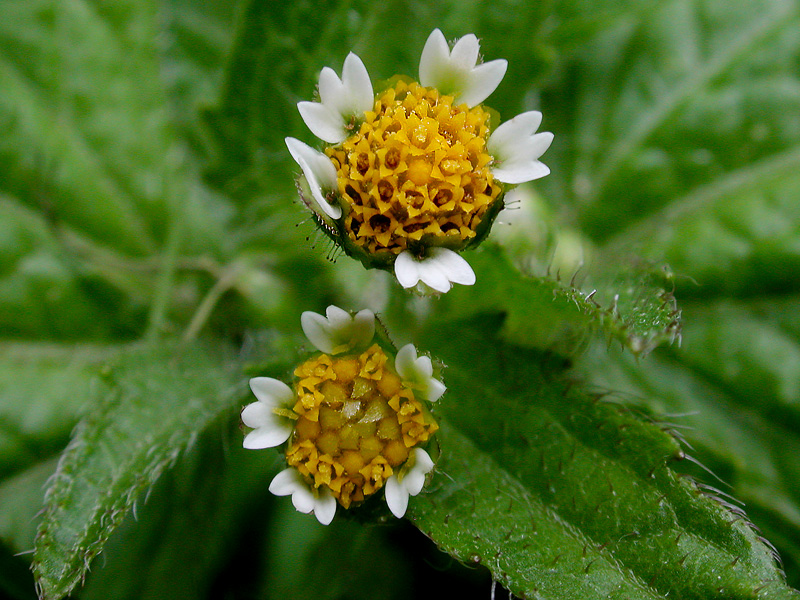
(16, 581)
(731, 389)
(564, 495)
(199, 519)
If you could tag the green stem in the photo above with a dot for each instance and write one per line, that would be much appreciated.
(226, 281)
(166, 278)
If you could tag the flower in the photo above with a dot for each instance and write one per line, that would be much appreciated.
(417, 373)
(438, 270)
(354, 419)
(319, 174)
(306, 498)
(338, 331)
(516, 148)
(408, 481)
(269, 416)
(455, 72)
(410, 176)
(341, 100)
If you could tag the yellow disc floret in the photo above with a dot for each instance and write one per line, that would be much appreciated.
(356, 423)
(416, 167)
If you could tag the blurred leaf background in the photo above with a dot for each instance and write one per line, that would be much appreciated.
(152, 254)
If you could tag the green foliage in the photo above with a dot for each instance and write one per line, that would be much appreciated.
(149, 229)
(566, 494)
(639, 313)
(152, 405)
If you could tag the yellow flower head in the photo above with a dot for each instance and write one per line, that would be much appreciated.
(414, 174)
(354, 421)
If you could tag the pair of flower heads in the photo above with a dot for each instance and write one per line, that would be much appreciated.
(406, 179)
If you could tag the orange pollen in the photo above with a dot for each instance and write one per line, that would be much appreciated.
(417, 167)
(356, 423)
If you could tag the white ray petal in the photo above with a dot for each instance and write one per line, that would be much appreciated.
(482, 81)
(453, 265)
(516, 147)
(435, 389)
(432, 274)
(341, 101)
(355, 79)
(408, 481)
(417, 373)
(438, 270)
(325, 507)
(396, 497)
(338, 331)
(434, 59)
(406, 269)
(271, 392)
(319, 173)
(415, 478)
(404, 362)
(465, 51)
(304, 497)
(322, 121)
(522, 172)
(262, 438)
(457, 72)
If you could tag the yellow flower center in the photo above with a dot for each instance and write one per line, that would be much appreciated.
(417, 167)
(356, 423)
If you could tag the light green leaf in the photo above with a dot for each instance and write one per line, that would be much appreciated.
(47, 292)
(21, 500)
(153, 403)
(565, 495)
(44, 390)
(670, 101)
(633, 307)
(738, 235)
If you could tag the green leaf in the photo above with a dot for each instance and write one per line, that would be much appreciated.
(21, 500)
(47, 292)
(692, 91)
(564, 495)
(69, 126)
(737, 235)
(637, 310)
(44, 390)
(256, 107)
(153, 403)
(683, 145)
(194, 525)
(16, 582)
(347, 559)
(732, 387)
